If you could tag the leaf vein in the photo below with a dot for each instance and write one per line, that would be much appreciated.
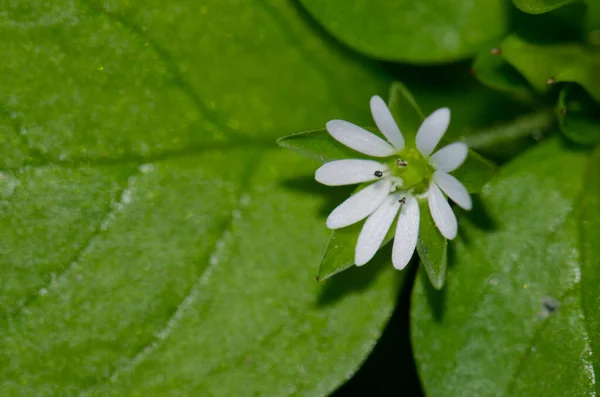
(113, 207)
(192, 294)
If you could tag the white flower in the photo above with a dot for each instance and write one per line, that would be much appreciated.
(402, 175)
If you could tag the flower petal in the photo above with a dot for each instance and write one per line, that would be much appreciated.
(407, 232)
(441, 212)
(450, 157)
(348, 172)
(375, 228)
(359, 139)
(431, 131)
(385, 122)
(454, 189)
(359, 205)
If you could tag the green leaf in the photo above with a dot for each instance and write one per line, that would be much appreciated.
(578, 115)
(495, 72)
(540, 6)
(408, 31)
(155, 242)
(545, 65)
(510, 307)
(590, 259)
(432, 247)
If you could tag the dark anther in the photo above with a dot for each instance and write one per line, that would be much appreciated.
(401, 163)
(496, 51)
(402, 200)
(550, 81)
(378, 174)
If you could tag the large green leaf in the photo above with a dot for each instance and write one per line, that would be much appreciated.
(154, 239)
(509, 321)
(545, 65)
(409, 31)
(590, 258)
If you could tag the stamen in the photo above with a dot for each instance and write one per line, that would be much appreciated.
(378, 174)
(401, 163)
(402, 200)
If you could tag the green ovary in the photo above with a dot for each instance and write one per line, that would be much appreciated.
(414, 170)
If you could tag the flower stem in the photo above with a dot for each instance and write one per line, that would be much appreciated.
(534, 124)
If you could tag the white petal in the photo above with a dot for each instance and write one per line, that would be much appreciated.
(348, 172)
(359, 205)
(386, 123)
(454, 189)
(432, 130)
(407, 232)
(450, 157)
(375, 228)
(359, 139)
(442, 214)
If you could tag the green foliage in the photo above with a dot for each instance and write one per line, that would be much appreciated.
(578, 115)
(408, 31)
(509, 321)
(590, 260)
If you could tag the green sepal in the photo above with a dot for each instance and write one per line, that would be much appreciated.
(406, 112)
(432, 247)
(318, 145)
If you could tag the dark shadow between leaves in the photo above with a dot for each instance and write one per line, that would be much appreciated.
(435, 298)
(355, 279)
(390, 369)
(332, 195)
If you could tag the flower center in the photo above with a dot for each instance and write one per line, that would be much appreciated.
(414, 170)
